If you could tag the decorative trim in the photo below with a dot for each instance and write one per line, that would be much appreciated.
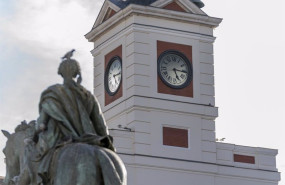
(208, 112)
(151, 28)
(196, 162)
(110, 13)
(104, 10)
(152, 12)
(174, 6)
(161, 3)
(190, 6)
(248, 150)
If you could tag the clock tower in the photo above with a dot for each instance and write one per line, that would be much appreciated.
(154, 79)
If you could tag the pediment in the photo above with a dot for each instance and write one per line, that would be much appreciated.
(179, 5)
(109, 8)
(107, 11)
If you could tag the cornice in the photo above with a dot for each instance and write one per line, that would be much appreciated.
(146, 28)
(151, 12)
(188, 5)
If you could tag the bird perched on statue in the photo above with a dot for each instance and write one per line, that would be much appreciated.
(68, 55)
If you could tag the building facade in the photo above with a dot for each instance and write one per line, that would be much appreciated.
(154, 79)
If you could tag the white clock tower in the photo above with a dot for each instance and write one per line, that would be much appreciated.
(154, 79)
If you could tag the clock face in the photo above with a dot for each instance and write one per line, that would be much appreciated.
(113, 75)
(174, 69)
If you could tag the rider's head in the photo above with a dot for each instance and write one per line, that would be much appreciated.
(69, 69)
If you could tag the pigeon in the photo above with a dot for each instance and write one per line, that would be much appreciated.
(68, 55)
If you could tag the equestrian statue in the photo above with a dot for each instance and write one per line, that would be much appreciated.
(69, 143)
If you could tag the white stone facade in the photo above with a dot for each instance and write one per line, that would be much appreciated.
(171, 170)
(145, 111)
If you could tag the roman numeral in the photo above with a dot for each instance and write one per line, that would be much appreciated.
(168, 59)
(163, 68)
(169, 78)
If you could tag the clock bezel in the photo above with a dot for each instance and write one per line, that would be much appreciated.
(189, 66)
(113, 59)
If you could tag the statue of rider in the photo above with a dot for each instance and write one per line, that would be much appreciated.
(68, 113)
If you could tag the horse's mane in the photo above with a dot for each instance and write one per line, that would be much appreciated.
(24, 126)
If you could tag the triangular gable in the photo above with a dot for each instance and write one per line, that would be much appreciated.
(107, 11)
(110, 12)
(109, 8)
(176, 5)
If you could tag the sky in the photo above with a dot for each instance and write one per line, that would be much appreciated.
(249, 63)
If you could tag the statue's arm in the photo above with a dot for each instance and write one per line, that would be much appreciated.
(41, 125)
(42, 121)
(98, 120)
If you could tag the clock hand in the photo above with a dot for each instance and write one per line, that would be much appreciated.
(115, 77)
(116, 74)
(174, 69)
(183, 71)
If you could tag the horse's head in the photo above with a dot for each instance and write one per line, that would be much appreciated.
(11, 159)
(14, 149)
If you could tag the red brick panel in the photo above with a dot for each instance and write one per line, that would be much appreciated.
(175, 137)
(174, 6)
(187, 51)
(116, 52)
(244, 159)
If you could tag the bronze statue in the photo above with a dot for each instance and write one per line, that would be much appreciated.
(69, 144)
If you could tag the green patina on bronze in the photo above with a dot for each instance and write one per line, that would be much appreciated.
(69, 144)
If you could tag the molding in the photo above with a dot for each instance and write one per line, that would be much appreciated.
(195, 9)
(154, 29)
(161, 3)
(189, 6)
(246, 149)
(104, 10)
(114, 7)
(200, 167)
(151, 12)
(203, 111)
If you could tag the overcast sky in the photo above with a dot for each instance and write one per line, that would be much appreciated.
(249, 63)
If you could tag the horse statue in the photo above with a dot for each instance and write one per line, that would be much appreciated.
(73, 164)
(69, 143)
(15, 151)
